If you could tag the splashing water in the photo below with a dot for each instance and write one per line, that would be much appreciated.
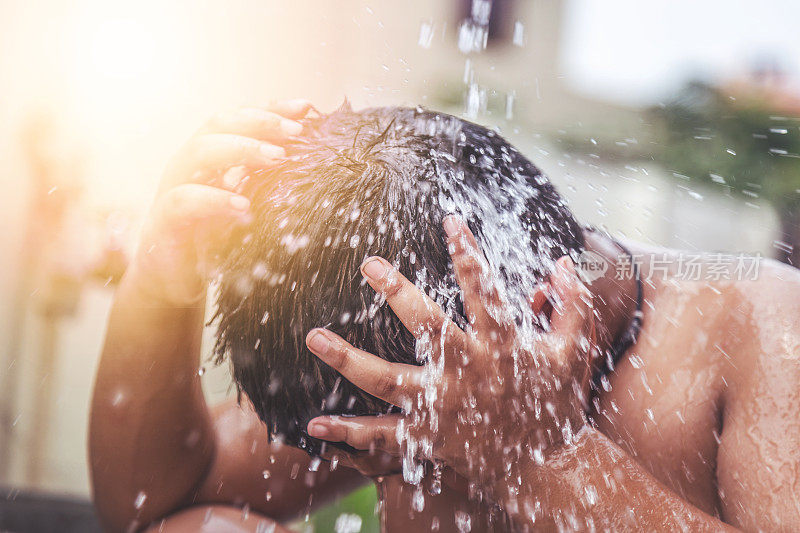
(141, 497)
(473, 33)
(426, 33)
(473, 36)
(519, 34)
(347, 523)
(463, 522)
(515, 268)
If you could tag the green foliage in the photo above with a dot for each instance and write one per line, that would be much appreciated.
(741, 145)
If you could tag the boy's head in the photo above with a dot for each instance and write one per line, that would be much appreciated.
(357, 184)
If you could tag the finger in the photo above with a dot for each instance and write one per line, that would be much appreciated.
(360, 432)
(202, 218)
(192, 207)
(296, 108)
(392, 382)
(191, 228)
(372, 463)
(418, 312)
(482, 300)
(538, 300)
(208, 155)
(254, 123)
(221, 150)
(540, 305)
(573, 306)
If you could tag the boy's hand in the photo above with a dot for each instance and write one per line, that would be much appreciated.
(369, 463)
(197, 209)
(499, 396)
(378, 465)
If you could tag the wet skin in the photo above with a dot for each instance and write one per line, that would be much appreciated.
(700, 417)
(702, 411)
(707, 399)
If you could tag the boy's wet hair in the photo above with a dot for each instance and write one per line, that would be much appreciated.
(357, 184)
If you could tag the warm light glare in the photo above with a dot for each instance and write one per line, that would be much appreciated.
(122, 49)
(119, 72)
(118, 58)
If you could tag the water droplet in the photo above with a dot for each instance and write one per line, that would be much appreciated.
(590, 495)
(476, 101)
(140, 499)
(260, 271)
(426, 31)
(519, 34)
(265, 527)
(118, 398)
(463, 522)
(418, 500)
(347, 523)
(510, 105)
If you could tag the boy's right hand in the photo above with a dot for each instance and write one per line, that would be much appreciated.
(197, 210)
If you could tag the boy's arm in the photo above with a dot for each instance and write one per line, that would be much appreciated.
(154, 446)
(150, 436)
(448, 511)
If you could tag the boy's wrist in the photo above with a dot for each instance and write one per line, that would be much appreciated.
(147, 290)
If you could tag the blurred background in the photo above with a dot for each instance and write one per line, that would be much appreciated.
(675, 122)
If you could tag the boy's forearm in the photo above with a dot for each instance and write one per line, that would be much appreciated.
(596, 484)
(150, 432)
(447, 512)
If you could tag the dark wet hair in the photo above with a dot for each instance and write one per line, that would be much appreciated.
(356, 184)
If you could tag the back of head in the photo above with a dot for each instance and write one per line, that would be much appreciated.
(357, 184)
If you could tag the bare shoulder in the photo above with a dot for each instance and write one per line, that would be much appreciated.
(760, 428)
(774, 282)
(771, 303)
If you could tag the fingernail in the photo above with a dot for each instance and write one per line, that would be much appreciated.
(240, 203)
(318, 429)
(298, 104)
(451, 225)
(290, 127)
(566, 263)
(374, 268)
(271, 151)
(318, 342)
(234, 176)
